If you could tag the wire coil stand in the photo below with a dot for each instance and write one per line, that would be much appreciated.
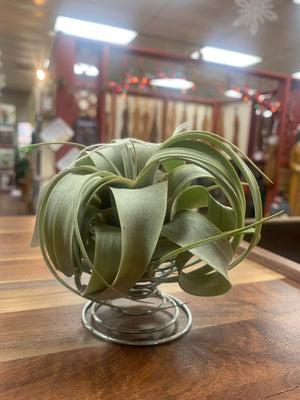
(145, 317)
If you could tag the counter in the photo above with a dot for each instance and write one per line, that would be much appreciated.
(242, 345)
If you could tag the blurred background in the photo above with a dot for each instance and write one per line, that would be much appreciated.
(94, 71)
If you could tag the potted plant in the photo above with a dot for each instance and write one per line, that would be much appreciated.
(127, 216)
(23, 169)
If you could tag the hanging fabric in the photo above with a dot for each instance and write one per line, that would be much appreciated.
(184, 118)
(195, 120)
(236, 128)
(205, 122)
(154, 126)
(136, 120)
(173, 119)
(145, 133)
(220, 125)
(125, 117)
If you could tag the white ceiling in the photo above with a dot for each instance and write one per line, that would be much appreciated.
(179, 26)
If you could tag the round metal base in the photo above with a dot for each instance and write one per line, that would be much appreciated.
(158, 319)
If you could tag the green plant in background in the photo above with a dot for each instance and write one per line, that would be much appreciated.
(124, 209)
(22, 165)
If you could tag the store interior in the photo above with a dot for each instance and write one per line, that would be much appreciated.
(59, 87)
(150, 199)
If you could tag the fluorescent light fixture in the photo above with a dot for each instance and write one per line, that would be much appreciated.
(91, 30)
(85, 69)
(172, 83)
(296, 75)
(77, 68)
(92, 71)
(234, 94)
(296, 1)
(227, 57)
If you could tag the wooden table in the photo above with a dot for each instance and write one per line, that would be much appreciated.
(242, 345)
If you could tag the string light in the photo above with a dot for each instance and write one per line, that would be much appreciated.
(145, 83)
(261, 101)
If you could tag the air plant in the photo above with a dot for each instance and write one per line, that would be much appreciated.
(122, 210)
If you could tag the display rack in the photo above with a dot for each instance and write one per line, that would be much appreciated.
(7, 146)
(114, 61)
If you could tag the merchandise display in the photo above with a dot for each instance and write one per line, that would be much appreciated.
(294, 192)
(8, 146)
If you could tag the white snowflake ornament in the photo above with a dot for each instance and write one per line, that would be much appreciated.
(253, 12)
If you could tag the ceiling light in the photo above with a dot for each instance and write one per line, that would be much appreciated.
(78, 69)
(296, 1)
(85, 69)
(92, 71)
(195, 55)
(91, 30)
(234, 94)
(296, 75)
(40, 74)
(172, 83)
(227, 57)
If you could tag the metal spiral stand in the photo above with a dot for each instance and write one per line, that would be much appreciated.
(146, 317)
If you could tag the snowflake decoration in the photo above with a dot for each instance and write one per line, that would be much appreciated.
(253, 12)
